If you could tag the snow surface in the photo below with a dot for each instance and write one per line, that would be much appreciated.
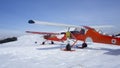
(24, 53)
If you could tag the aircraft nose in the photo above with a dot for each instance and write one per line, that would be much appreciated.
(31, 22)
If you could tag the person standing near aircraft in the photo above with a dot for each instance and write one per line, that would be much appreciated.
(68, 47)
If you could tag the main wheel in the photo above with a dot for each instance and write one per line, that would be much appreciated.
(43, 43)
(84, 45)
(52, 42)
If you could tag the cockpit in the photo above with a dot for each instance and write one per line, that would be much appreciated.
(79, 31)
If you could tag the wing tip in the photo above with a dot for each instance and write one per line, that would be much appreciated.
(31, 22)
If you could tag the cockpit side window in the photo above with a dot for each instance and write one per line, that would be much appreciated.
(79, 31)
(82, 31)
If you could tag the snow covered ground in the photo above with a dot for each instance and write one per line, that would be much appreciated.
(24, 53)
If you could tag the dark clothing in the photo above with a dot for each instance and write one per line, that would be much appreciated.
(68, 47)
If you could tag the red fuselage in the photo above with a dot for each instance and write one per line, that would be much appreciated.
(89, 33)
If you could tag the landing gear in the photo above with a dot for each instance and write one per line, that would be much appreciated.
(52, 42)
(84, 45)
(35, 42)
(43, 43)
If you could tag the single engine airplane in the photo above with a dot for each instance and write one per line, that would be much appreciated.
(82, 33)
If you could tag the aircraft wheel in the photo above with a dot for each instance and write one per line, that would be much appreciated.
(35, 42)
(52, 42)
(43, 43)
(84, 45)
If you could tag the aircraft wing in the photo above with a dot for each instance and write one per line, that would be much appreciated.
(67, 25)
(43, 33)
(51, 24)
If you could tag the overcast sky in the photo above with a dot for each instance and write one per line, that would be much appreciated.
(14, 14)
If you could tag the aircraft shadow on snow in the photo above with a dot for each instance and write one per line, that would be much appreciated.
(109, 51)
(115, 52)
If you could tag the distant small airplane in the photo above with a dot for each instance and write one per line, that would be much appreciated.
(82, 33)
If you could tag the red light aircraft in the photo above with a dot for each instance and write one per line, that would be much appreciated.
(82, 33)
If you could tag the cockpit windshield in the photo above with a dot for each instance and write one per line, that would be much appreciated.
(79, 31)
